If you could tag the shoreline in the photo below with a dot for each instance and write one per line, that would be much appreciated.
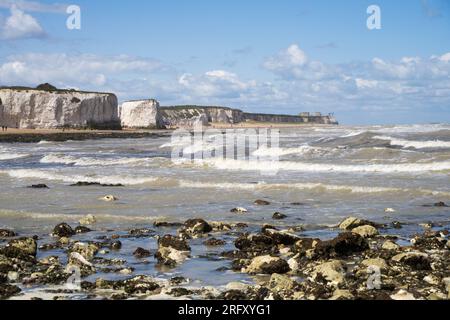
(363, 262)
(59, 135)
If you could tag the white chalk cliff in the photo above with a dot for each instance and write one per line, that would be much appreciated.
(34, 109)
(140, 114)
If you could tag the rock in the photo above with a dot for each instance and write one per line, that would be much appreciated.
(109, 198)
(267, 265)
(88, 251)
(64, 241)
(213, 242)
(342, 295)
(39, 186)
(5, 233)
(239, 210)
(165, 224)
(343, 245)
(82, 229)
(172, 250)
(431, 279)
(352, 223)
(140, 114)
(28, 108)
(281, 237)
(63, 230)
(254, 243)
(88, 220)
(279, 216)
(115, 245)
(77, 259)
(389, 245)
(415, 260)
(366, 231)
(142, 253)
(25, 246)
(396, 225)
(446, 283)
(403, 295)
(141, 233)
(333, 272)
(7, 291)
(376, 262)
(261, 203)
(89, 184)
(196, 227)
(441, 204)
(280, 282)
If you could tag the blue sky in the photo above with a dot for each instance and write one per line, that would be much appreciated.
(271, 56)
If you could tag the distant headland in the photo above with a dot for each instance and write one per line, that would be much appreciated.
(47, 107)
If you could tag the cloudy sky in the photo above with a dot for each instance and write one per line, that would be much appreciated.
(276, 56)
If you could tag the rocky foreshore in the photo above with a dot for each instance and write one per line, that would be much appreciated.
(362, 262)
(81, 135)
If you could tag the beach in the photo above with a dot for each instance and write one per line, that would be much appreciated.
(353, 212)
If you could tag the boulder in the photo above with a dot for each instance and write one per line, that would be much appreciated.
(172, 250)
(261, 203)
(281, 282)
(5, 233)
(239, 210)
(279, 216)
(366, 231)
(254, 243)
(142, 253)
(389, 245)
(376, 262)
(196, 227)
(333, 272)
(267, 265)
(343, 245)
(353, 222)
(23, 246)
(415, 260)
(63, 230)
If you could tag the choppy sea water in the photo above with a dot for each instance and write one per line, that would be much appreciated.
(324, 175)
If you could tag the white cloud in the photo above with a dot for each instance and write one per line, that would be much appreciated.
(34, 6)
(445, 57)
(20, 25)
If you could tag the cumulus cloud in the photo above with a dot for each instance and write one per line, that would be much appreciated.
(34, 6)
(20, 25)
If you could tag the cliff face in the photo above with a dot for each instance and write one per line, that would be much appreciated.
(188, 116)
(275, 118)
(140, 114)
(32, 109)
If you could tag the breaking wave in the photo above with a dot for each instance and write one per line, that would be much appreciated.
(415, 144)
(271, 166)
(12, 156)
(89, 161)
(306, 186)
(51, 175)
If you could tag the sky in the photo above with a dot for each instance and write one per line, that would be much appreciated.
(271, 56)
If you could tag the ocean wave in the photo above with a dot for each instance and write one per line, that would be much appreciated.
(273, 166)
(415, 144)
(89, 161)
(51, 175)
(306, 186)
(101, 218)
(12, 156)
(305, 149)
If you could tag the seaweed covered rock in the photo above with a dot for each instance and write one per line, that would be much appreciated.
(63, 230)
(268, 265)
(172, 250)
(343, 245)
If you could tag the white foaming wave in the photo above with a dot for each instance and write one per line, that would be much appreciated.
(51, 175)
(12, 156)
(88, 161)
(305, 186)
(305, 149)
(272, 166)
(415, 144)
